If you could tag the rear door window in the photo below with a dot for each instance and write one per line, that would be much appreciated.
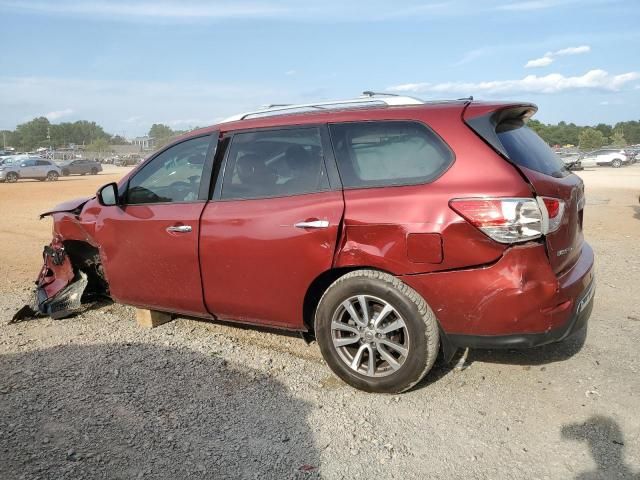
(526, 149)
(388, 153)
(275, 163)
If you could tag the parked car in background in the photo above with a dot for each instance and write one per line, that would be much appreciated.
(32, 168)
(80, 167)
(388, 228)
(571, 160)
(127, 160)
(15, 159)
(612, 157)
(632, 154)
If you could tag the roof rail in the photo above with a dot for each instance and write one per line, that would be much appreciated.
(368, 99)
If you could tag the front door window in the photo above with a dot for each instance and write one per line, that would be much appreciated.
(173, 176)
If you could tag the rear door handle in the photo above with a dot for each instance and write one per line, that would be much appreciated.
(313, 224)
(179, 229)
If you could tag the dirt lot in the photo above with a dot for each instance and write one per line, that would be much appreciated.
(96, 397)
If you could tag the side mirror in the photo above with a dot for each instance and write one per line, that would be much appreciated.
(108, 195)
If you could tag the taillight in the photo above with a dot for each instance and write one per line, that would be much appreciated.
(511, 220)
(554, 212)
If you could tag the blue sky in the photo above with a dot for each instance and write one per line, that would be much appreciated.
(128, 64)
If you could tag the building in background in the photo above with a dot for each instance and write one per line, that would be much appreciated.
(144, 143)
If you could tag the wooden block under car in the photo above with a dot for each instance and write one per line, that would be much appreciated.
(151, 318)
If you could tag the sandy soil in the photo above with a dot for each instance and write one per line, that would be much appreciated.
(22, 233)
(94, 396)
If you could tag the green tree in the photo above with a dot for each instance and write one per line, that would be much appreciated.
(631, 131)
(605, 129)
(590, 139)
(100, 145)
(162, 134)
(118, 140)
(618, 140)
(33, 134)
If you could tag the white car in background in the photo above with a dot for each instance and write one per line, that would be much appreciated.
(35, 168)
(613, 157)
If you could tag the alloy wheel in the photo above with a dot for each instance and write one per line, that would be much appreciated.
(370, 336)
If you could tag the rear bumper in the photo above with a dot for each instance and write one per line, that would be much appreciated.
(516, 302)
(576, 323)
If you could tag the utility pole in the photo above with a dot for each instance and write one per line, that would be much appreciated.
(49, 139)
(4, 140)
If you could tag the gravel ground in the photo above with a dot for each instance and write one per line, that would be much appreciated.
(95, 396)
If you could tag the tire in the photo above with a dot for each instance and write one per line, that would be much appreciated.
(416, 332)
(616, 163)
(11, 177)
(65, 173)
(94, 171)
(52, 176)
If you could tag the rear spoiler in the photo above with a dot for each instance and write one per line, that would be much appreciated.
(485, 118)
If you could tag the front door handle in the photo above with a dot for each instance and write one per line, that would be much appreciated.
(313, 224)
(179, 229)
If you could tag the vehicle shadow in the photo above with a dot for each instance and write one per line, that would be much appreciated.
(606, 443)
(138, 410)
(555, 352)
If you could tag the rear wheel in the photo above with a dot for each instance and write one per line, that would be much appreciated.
(52, 176)
(94, 171)
(617, 163)
(11, 177)
(375, 332)
(65, 173)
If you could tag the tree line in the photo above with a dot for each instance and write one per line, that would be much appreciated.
(39, 132)
(588, 138)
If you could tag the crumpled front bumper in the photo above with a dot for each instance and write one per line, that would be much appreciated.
(59, 288)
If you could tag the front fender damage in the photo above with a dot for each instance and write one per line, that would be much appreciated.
(59, 288)
(71, 274)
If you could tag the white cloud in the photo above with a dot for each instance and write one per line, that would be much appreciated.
(539, 62)
(571, 51)
(552, 83)
(529, 5)
(314, 10)
(146, 9)
(550, 57)
(55, 115)
(290, 72)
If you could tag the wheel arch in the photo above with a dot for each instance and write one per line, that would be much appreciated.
(320, 285)
(86, 258)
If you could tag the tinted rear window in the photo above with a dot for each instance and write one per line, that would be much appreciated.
(373, 154)
(526, 149)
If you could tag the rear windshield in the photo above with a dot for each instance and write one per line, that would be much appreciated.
(527, 149)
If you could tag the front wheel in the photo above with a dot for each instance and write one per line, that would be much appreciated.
(52, 176)
(11, 177)
(94, 171)
(375, 332)
(617, 163)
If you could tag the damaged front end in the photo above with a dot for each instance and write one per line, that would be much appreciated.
(71, 275)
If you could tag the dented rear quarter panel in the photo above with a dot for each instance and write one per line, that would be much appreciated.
(378, 221)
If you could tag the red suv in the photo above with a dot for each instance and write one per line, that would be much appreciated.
(388, 228)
